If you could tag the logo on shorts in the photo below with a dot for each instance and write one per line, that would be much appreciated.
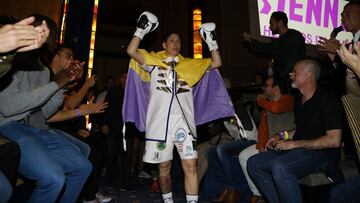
(194, 145)
(156, 156)
(180, 147)
(180, 135)
(188, 151)
(161, 146)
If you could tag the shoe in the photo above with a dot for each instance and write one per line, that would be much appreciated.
(144, 174)
(155, 186)
(222, 196)
(233, 196)
(102, 198)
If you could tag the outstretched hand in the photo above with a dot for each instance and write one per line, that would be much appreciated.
(91, 107)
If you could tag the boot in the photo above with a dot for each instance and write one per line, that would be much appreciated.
(222, 196)
(233, 196)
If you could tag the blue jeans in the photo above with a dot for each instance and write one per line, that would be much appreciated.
(224, 170)
(276, 173)
(226, 152)
(51, 161)
(78, 144)
(5, 189)
(346, 192)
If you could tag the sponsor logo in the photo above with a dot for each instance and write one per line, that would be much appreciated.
(180, 135)
(160, 146)
(188, 151)
(180, 148)
(156, 156)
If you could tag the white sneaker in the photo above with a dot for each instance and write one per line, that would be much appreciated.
(144, 174)
(102, 198)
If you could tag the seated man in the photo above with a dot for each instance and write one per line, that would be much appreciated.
(18, 37)
(274, 101)
(313, 146)
(223, 163)
(47, 158)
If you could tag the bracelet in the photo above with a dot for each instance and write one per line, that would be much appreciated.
(78, 113)
(284, 135)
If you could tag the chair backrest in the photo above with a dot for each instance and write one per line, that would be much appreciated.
(278, 122)
(352, 110)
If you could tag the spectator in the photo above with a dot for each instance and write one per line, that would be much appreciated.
(274, 101)
(31, 93)
(350, 17)
(285, 57)
(313, 146)
(20, 36)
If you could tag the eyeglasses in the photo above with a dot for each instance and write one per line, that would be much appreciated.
(267, 85)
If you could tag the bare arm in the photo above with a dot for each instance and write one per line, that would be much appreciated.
(215, 59)
(332, 139)
(73, 101)
(133, 52)
(84, 109)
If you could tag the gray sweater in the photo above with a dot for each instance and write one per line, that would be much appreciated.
(30, 93)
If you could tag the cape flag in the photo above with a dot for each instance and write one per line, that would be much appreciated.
(211, 99)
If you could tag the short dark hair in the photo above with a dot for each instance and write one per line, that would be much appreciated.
(51, 24)
(278, 83)
(168, 34)
(7, 19)
(280, 16)
(355, 3)
(59, 48)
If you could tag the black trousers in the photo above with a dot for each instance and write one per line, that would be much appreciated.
(119, 161)
(97, 157)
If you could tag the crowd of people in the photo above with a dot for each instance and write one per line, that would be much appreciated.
(47, 103)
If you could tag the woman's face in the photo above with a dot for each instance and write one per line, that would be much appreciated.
(172, 45)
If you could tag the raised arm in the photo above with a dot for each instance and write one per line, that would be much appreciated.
(71, 102)
(207, 31)
(146, 23)
(257, 46)
(133, 52)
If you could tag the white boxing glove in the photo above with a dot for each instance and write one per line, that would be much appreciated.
(146, 23)
(207, 31)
